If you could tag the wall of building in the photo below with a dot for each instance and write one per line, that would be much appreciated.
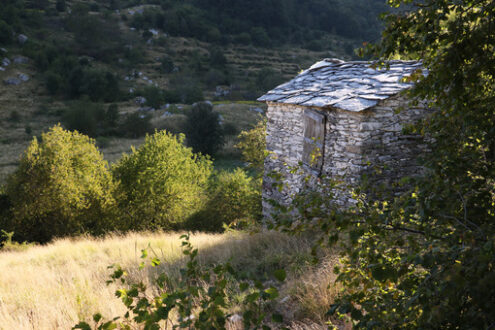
(356, 143)
(284, 136)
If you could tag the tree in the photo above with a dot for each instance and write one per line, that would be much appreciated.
(136, 125)
(252, 144)
(154, 96)
(424, 259)
(60, 5)
(232, 197)
(203, 129)
(6, 33)
(161, 183)
(61, 187)
(85, 117)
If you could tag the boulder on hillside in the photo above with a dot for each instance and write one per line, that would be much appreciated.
(5, 62)
(20, 59)
(23, 77)
(140, 100)
(21, 38)
(12, 81)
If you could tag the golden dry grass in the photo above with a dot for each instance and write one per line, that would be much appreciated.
(54, 286)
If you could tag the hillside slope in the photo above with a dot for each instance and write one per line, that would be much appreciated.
(76, 58)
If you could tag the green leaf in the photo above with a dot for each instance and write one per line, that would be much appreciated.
(97, 317)
(272, 292)
(109, 326)
(252, 297)
(278, 318)
(82, 325)
(144, 254)
(155, 262)
(243, 286)
(280, 275)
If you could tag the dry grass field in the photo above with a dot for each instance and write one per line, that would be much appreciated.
(54, 286)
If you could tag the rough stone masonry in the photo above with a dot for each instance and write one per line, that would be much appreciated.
(341, 120)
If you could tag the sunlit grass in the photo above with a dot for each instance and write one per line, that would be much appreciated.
(54, 286)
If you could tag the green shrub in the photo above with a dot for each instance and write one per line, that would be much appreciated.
(84, 117)
(154, 96)
(53, 82)
(7, 244)
(6, 33)
(92, 119)
(61, 187)
(203, 130)
(166, 64)
(234, 198)
(252, 144)
(161, 183)
(135, 125)
(61, 5)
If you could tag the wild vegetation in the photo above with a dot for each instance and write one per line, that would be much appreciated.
(70, 275)
(424, 258)
(419, 259)
(80, 57)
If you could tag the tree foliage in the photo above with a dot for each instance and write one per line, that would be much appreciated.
(424, 259)
(203, 129)
(233, 198)
(61, 187)
(252, 144)
(161, 183)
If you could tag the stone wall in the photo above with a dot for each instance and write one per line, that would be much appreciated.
(284, 136)
(356, 143)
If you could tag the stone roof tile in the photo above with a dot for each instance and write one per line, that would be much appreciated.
(352, 86)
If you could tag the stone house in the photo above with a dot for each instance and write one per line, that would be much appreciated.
(341, 119)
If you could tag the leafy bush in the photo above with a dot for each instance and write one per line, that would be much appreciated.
(267, 79)
(53, 82)
(99, 85)
(217, 58)
(60, 5)
(84, 117)
(260, 37)
(252, 144)
(166, 64)
(7, 244)
(234, 198)
(161, 183)
(154, 96)
(135, 125)
(6, 33)
(203, 130)
(61, 187)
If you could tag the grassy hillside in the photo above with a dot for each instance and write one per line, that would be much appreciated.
(54, 286)
(87, 55)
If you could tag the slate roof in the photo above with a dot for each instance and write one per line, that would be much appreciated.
(352, 86)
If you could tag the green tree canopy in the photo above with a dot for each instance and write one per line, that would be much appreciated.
(61, 187)
(232, 197)
(252, 144)
(203, 129)
(162, 182)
